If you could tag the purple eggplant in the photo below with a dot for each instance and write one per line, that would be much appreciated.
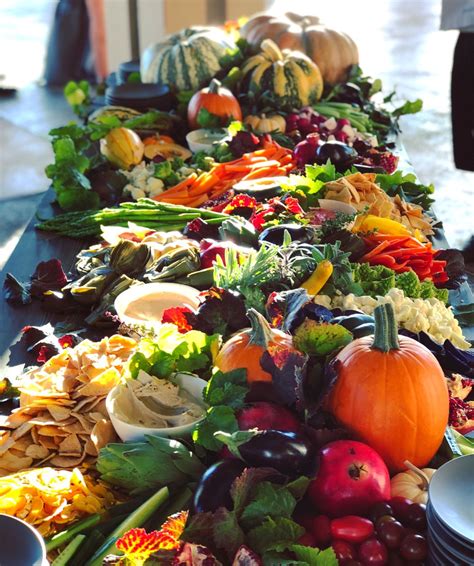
(289, 453)
(213, 490)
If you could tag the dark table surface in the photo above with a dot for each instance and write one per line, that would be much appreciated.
(34, 246)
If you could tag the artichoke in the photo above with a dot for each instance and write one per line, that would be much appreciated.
(157, 462)
(129, 257)
(88, 290)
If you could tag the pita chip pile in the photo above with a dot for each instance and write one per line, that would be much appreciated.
(360, 191)
(62, 420)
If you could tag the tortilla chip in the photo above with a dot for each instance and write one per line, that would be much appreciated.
(70, 444)
(103, 433)
(101, 384)
(59, 413)
(47, 442)
(14, 463)
(37, 452)
(67, 461)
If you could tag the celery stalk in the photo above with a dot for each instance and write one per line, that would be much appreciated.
(135, 519)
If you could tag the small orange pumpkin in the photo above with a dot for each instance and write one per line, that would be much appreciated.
(245, 349)
(215, 99)
(392, 394)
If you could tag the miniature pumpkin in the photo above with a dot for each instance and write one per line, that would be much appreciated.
(391, 393)
(290, 75)
(122, 147)
(333, 51)
(244, 349)
(217, 100)
(412, 483)
(264, 124)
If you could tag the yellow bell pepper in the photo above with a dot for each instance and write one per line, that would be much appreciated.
(319, 277)
(370, 222)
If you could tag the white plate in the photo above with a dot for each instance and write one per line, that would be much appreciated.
(183, 296)
(133, 432)
(451, 493)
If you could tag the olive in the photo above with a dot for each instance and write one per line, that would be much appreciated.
(341, 155)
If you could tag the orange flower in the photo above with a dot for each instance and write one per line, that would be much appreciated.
(137, 545)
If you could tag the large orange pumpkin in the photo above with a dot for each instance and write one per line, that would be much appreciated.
(333, 51)
(217, 100)
(244, 349)
(391, 393)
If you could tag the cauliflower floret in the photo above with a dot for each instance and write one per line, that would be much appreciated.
(154, 186)
(137, 193)
(323, 300)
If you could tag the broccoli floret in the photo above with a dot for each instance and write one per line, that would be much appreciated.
(409, 283)
(376, 280)
(442, 295)
(427, 290)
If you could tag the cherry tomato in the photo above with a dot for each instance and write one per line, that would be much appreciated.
(352, 528)
(344, 550)
(307, 539)
(400, 506)
(352, 563)
(413, 548)
(321, 530)
(379, 510)
(391, 533)
(373, 553)
(416, 517)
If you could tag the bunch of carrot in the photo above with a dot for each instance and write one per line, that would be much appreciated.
(402, 253)
(270, 161)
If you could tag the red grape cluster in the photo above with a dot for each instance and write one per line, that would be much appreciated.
(395, 535)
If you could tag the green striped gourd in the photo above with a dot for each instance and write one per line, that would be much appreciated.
(290, 75)
(186, 60)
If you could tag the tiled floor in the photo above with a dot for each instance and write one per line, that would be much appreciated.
(399, 41)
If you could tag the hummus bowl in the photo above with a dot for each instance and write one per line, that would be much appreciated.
(144, 305)
(128, 430)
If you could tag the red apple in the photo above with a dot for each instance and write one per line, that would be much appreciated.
(267, 416)
(350, 479)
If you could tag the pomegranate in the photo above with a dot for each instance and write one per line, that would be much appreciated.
(350, 479)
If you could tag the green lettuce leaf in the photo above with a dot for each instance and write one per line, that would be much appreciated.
(270, 500)
(228, 389)
(219, 418)
(320, 338)
(314, 556)
(170, 351)
(274, 534)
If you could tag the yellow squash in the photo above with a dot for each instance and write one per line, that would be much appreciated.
(122, 147)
